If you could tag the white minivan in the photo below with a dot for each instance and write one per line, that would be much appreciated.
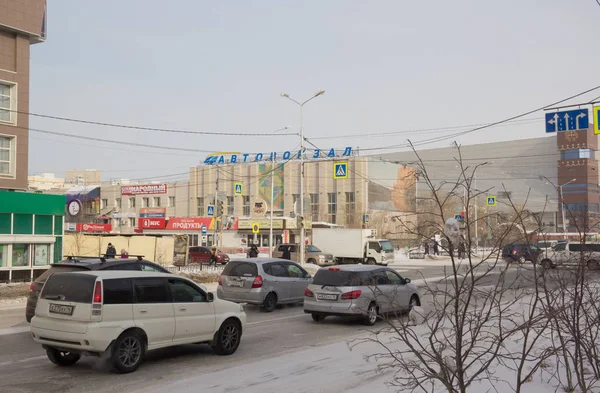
(119, 315)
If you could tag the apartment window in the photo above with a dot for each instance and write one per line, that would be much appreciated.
(132, 222)
(103, 203)
(7, 155)
(331, 206)
(314, 206)
(230, 206)
(118, 203)
(156, 202)
(172, 201)
(350, 207)
(246, 205)
(145, 202)
(7, 103)
(200, 202)
(132, 202)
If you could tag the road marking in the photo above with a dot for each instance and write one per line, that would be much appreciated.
(23, 360)
(276, 319)
(14, 330)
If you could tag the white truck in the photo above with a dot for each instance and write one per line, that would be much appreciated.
(354, 245)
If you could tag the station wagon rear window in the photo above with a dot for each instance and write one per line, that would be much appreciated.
(340, 278)
(69, 287)
(240, 269)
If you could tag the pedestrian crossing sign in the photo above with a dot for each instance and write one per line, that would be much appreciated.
(491, 200)
(238, 189)
(210, 210)
(340, 170)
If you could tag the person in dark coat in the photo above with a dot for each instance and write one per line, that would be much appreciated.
(436, 249)
(111, 251)
(253, 252)
(213, 256)
(426, 248)
(287, 253)
(461, 250)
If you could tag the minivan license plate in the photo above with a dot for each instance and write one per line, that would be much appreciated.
(61, 309)
(326, 296)
(239, 284)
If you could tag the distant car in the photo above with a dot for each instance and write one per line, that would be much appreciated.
(359, 290)
(312, 254)
(263, 281)
(202, 254)
(119, 315)
(521, 253)
(75, 264)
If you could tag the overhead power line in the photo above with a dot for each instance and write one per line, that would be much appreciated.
(141, 128)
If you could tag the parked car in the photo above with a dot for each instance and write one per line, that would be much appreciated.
(312, 254)
(202, 254)
(521, 253)
(263, 281)
(120, 315)
(572, 253)
(75, 264)
(359, 290)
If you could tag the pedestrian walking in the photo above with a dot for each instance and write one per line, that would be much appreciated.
(111, 251)
(253, 252)
(213, 256)
(124, 254)
(461, 250)
(436, 248)
(287, 254)
(426, 248)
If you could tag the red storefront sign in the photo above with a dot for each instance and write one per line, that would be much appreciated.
(190, 224)
(152, 223)
(93, 227)
(144, 189)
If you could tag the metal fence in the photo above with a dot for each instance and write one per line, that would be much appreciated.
(196, 267)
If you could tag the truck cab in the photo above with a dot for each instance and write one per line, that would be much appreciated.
(379, 251)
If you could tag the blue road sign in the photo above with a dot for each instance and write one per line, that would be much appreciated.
(210, 210)
(366, 218)
(491, 201)
(577, 119)
(238, 189)
(204, 229)
(340, 170)
(458, 217)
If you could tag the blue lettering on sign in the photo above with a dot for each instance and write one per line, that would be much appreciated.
(571, 119)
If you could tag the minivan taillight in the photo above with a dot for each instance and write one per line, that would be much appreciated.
(515, 252)
(351, 295)
(220, 279)
(258, 282)
(308, 293)
(32, 287)
(98, 292)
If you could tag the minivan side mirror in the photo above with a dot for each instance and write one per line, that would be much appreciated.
(210, 296)
(407, 280)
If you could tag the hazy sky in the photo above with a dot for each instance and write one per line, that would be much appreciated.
(386, 66)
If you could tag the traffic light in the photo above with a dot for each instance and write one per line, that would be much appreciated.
(220, 208)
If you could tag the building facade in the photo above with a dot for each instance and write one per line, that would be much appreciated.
(22, 23)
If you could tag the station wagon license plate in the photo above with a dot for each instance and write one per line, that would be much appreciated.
(61, 309)
(326, 296)
(238, 284)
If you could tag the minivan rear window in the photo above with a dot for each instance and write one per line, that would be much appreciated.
(69, 287)
(341, 278)
(59, 269)
(240, 269)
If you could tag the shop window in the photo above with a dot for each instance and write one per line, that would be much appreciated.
(3, 255)
(43, 225)
(20, 255)
(23, 224)
(5, 224)
(41, 256)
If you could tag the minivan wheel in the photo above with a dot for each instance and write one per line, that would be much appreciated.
(414, 302)
(522, 259)
(371, 317)
(546, 264)
(128, 352)
(227, 339)
(317, 317)
(62, 358)
(270, 303)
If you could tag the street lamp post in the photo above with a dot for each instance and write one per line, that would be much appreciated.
(301, 104)
(562, 207)
(273, 193)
